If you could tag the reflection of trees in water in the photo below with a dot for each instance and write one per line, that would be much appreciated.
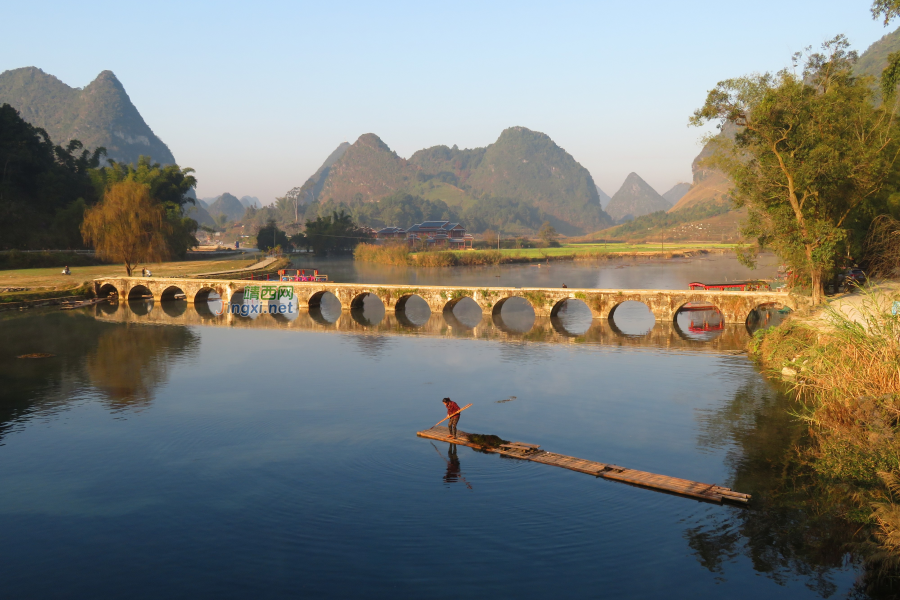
(798, 527)
(34, 386)
(130, 362)
(125, 363)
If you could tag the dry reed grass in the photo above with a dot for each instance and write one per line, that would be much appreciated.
(848, 378)
(399, 254)
(389, 254)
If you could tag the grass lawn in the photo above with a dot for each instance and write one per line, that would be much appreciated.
(49, 280)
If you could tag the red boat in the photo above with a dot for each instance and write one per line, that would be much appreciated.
(300, 275)
(731, 286)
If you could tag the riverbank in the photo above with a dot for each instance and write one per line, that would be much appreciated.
(844, 365)
(399, 255)
(28, 285)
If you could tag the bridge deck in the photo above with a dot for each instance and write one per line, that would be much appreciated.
(682, 487)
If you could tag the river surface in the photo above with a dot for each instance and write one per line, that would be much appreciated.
(166, 452)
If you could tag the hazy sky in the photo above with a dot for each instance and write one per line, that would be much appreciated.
(255, 95)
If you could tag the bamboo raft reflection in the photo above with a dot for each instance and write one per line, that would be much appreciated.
(706, 492)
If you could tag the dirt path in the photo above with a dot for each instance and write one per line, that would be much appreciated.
(873, 298)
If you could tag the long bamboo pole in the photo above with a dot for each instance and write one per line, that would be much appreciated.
(453, 415)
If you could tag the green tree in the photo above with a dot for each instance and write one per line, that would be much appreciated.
(335, 233)
(41, 184)
(270, 236)
(812, 150)
(170, 186)
(128, 226)
(887, 9)
(548, 234)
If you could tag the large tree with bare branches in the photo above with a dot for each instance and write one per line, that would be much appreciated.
(128, 226)
(813, 149)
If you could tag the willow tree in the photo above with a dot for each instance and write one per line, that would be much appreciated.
(812, 149)
(128, 226)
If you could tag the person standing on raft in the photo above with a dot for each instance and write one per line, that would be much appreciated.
(452, 407)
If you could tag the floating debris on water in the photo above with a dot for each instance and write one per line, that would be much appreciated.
(36, 355)
(510, 399)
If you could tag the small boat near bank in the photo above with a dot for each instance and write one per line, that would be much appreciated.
(752, 285)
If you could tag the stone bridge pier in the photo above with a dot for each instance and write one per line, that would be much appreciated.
(663, 304)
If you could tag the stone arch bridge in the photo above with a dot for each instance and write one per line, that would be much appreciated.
(664, 304)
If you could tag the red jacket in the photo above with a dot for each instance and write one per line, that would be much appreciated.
(452, 407)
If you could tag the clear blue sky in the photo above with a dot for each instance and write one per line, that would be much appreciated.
(255, 95)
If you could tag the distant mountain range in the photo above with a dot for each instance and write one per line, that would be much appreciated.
(250, 201)
(101, 114)
(676, 192)
(199, 213)
(522, 165)
(634, 199)
(604, 198)
(227, 205)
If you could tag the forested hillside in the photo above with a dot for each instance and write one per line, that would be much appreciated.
(45, 189)
(518, 182)
(100, 115)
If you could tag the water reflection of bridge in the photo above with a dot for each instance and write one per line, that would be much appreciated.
(663, 335)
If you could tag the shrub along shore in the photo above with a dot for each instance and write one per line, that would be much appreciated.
(844, 365)
(400, 254)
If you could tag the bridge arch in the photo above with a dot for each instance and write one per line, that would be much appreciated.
(367, 316)
(106, 290)
(139, 292)
(324, 307)
(418, 316)
(171, 293)
(358, 301)
(204, 294)
(402, 300)
(316, 298)
(633, 301)
(766, 314)
(702, 321)
(517, 324)
(571, 317)
(462, 313)
(498, 306)
(694, 304)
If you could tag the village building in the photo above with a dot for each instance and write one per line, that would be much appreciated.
(440, 234)
(391, 233)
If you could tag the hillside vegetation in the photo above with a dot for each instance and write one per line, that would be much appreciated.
(100, 115)
(516, 183)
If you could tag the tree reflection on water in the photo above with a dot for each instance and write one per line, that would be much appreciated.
(798, 526)
(126, 364)
(130, 362)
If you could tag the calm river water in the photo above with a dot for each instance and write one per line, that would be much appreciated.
(164, 452)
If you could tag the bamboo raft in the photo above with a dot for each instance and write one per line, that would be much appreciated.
(682, 487)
